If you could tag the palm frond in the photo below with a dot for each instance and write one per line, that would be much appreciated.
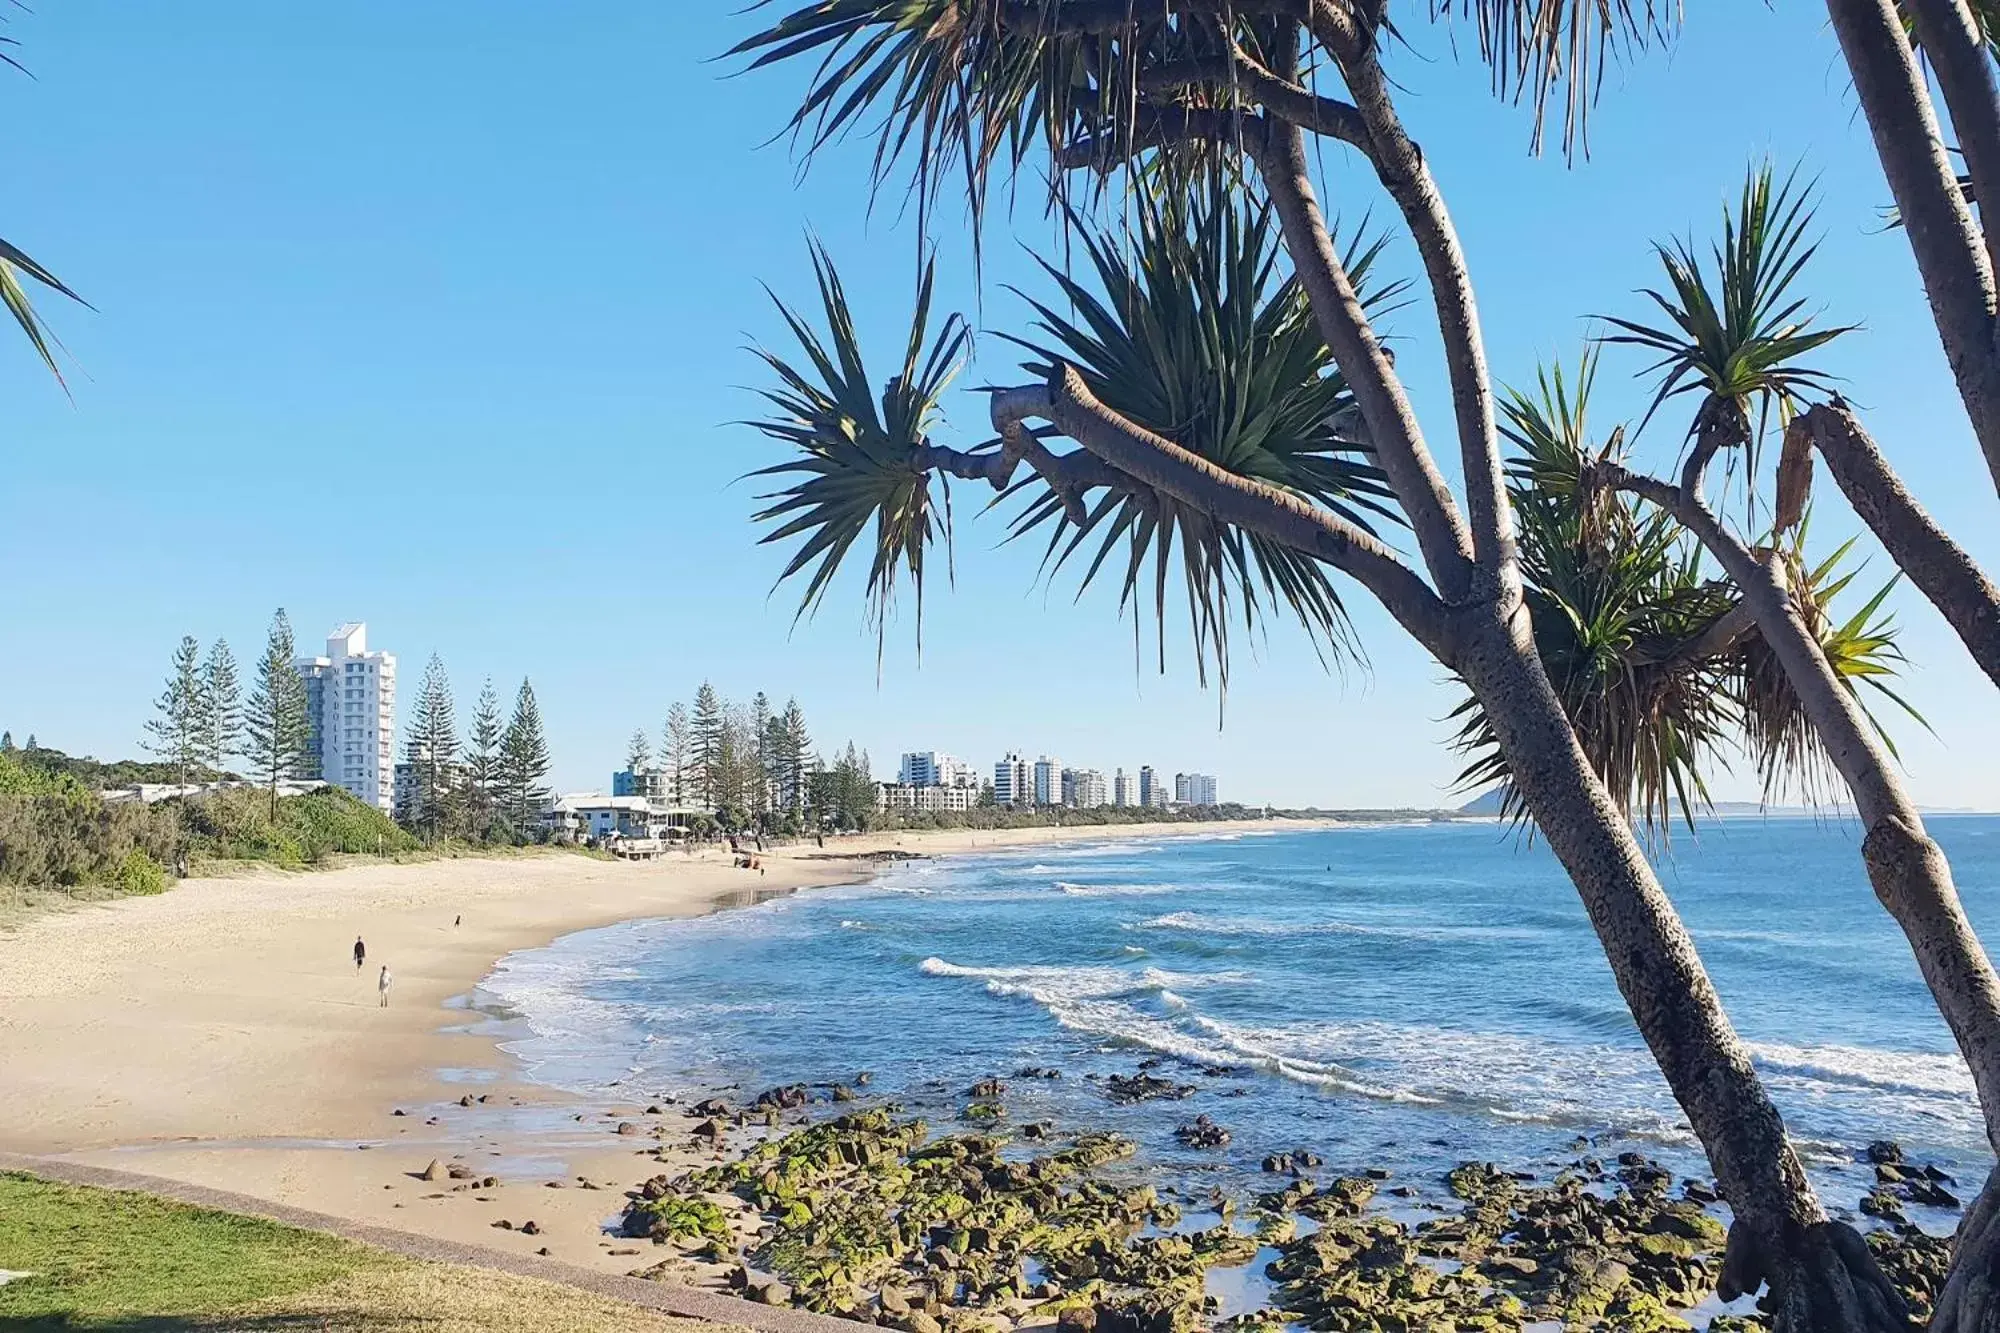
(1861, 647)
(1735, 336)
(1535, 47)
(1622, 613)
(1188, 326)
(14, 266)
(855, 467)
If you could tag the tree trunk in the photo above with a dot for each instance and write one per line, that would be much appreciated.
(1939, 566)
(1970, 1299)
(1821, 1276)
(1947, 244)
(1908, 871)
(1955, 48)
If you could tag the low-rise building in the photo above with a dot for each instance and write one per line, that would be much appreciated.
(594, 817)
(909, 799)
(409, 782)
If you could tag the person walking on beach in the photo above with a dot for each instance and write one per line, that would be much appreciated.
(382, 984)
(360, 954)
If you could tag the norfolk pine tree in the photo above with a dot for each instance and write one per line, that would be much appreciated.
(276, 721)
(524, 760)
(432, 748)
(222, 707)
(178, 727)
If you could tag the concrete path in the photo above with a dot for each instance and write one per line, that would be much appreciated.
(686, 1302)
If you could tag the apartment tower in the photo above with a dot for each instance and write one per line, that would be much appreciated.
(351, 716)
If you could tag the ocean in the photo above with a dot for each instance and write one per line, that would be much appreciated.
(1405, 997)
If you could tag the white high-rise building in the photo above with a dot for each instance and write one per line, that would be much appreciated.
(1048, 781)
(1084, 788)
(1124, 789)
(1151, 793)
(1013, 781)
(934, 768)
(1194, 789)
(351, 716)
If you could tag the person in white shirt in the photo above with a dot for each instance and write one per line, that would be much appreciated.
(382, 984)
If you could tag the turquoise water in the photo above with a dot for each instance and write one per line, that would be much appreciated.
(1407, 996)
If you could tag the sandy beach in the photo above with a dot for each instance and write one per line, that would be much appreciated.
(220, 1034)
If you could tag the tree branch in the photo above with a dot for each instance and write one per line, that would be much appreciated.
(1227, 497)
(1829, 705)
(1956, 51)
(1392, 423)
(1152, 126)
(1280, 97)
(1950, 254)
(1400, 166)
(1939, 566)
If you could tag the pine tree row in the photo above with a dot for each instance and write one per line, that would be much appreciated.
(750, 766)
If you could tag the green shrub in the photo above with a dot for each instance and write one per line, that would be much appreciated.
(139, 873)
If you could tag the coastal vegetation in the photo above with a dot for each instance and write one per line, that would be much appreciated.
(84, 1258)
(59, 836)
(1174, 374)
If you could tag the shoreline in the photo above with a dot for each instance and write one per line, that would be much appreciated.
(219, 1034)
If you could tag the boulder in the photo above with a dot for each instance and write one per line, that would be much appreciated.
(787, 1098)
(916, 1321)
(714, 1106)
(1144, 1087)
(892, 1301)
(986, 1089)
(435, 1171)
(1929, 1193)
(528, 1228)
(627, 1128)
(771, 1293)
(1885, 1151)
(1202, 1132)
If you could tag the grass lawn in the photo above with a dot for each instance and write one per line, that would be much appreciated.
(109, 1260)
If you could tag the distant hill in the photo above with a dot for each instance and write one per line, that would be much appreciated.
(1487, 803)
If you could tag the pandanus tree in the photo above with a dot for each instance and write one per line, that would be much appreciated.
(1735, 340)
(1899, 53)
(1195, 95)
(1657, 660)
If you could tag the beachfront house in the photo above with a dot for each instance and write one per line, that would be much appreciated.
(595, 817)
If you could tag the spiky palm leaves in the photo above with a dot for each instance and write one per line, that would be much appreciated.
(856, 465)
(1736, 339)
(14, 266)
(1624, 619)
(1186, 326)
(1662, 674)
(1535, 47)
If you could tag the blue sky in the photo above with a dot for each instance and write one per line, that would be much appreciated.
(433, 316)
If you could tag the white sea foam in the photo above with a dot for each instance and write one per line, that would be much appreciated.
(1201, 924)
(1075, 890)
(1922, 1073)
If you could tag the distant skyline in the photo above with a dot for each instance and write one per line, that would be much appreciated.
(439, 326)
